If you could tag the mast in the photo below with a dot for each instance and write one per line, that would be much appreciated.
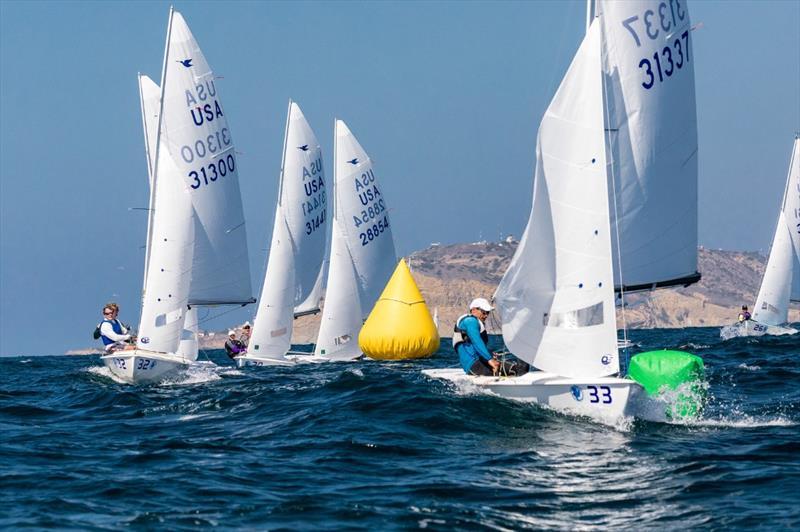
(591, 8)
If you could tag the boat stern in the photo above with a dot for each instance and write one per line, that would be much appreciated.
(136, 367)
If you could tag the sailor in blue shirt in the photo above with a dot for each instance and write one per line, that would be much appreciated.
(470, 340)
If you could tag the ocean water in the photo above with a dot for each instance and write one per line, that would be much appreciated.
(377, 446)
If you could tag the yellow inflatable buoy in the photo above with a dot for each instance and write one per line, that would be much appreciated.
(399, 325)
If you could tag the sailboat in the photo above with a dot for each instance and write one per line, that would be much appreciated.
(293, 279)
(196, 252)
(614, 209)
(781, 282)
(362, 255)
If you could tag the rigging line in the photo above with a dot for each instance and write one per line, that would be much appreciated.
(210, 316)
(610, 154)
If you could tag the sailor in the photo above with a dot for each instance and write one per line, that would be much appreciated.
(744, 315)
(233, 346)
(113, 333)
(470, 341)
(244, 338)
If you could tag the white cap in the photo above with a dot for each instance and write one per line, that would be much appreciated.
(482, 304)
(231, 333)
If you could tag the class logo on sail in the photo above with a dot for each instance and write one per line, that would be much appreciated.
(304, 147)
(353, 161)
(185, 62)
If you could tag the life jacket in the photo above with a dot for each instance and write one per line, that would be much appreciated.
(460, 335)
(117, 326)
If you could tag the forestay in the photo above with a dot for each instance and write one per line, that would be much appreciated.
(196, 134)
(297, 250)
(362, 248)
(652, 125)
(556, 299)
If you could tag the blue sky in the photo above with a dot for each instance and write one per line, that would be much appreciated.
(445, 96)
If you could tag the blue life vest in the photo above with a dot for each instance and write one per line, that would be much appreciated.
(117, 326)
(460, 335)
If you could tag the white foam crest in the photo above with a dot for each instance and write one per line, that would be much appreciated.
(196, 373)
(744, 422)
(103, 371)
(749, 368)
(692, 345)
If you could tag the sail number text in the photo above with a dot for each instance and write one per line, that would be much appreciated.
(213, 171)
(374, 207)
(674, 55)
(316, 198)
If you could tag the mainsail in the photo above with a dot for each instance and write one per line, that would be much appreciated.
(648, 66)
(362, 248)
(196, 247)
(297, 251)
(556, 298)
(196, 134)
(780, 282)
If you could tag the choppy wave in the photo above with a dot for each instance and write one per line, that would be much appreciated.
(377, 445)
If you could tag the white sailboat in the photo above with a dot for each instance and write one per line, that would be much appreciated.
(196, 242)
(781, 282)
(362, 249)
(293, 278)
(614, 204)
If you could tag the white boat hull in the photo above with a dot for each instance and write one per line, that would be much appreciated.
(753, 328)
(245, 361)
(291, 359)
(608, 400)
(141, 367)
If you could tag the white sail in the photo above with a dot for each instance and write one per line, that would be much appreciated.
(652, 124)
(791, 209)
(150, 101)
(362, 248)
(780, 283)
(196, 134)
(772, 303)
(170, 243)
(188, 347)
(312, 302)
(342, 315)
(297, 251)
(561, 318)
(272, 326)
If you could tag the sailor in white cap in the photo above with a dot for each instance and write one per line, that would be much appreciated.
(471, 342)
(233, 346)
